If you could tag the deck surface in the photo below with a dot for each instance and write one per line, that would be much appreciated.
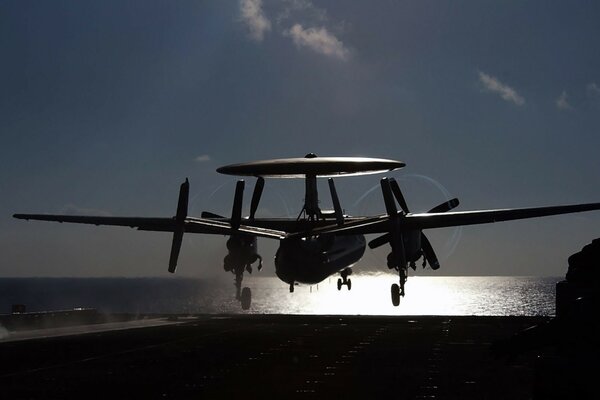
(275, 356)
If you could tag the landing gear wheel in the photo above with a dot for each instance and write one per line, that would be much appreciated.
(292, 287)
(339, 283)
(246, 298)
(349, 284)
(395, 295)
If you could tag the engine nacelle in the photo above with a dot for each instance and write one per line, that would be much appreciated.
(411, 241)
(242, 252)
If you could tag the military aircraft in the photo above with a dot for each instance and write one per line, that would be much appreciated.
(318, 243)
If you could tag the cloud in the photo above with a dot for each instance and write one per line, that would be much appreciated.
(254, 17)
(319, 40)
(593, 89)
(303, 8)
(562, 103)
(493, 85)
(202, 158)
(297, 14)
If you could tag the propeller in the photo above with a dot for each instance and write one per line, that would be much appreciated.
(236, 212)
(394, 237)
(426, 246)
(182, 209)
(445, 207)
(398, 195)
(428, 252)
(258, 189)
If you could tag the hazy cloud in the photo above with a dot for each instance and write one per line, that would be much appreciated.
(562, 103)
(493, 85)
(298, 14)
(254, 17)
(305, 8)
(593, 89)
(319, 40)
(202, 158)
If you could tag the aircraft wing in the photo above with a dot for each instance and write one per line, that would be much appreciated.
(458, 218)
(420, 221)
(191, 224)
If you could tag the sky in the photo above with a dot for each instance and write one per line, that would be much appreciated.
(107, 106)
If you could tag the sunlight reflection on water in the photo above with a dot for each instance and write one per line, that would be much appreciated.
(370, 295)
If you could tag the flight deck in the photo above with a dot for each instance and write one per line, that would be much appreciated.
(272, 356)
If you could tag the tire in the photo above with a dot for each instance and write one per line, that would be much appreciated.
(339, 283)
(395, 295)
(246, 298)
(349, 284)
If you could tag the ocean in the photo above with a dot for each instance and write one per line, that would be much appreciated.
(370, 295)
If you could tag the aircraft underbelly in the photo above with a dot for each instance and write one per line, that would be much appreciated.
(311, 261)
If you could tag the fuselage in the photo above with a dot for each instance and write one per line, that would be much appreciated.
(311, 260)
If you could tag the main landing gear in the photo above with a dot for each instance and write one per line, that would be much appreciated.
(246, 298)
(238, 264)
(244, 295)
(397, 289)
(344, 279)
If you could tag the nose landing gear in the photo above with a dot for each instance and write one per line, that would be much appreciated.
(344, 279)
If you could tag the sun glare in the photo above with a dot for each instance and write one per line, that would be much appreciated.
(370, 295)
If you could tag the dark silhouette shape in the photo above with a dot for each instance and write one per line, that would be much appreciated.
(584, 266)
(568, 345)
(318, 243)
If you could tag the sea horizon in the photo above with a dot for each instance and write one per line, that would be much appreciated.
(370, 295)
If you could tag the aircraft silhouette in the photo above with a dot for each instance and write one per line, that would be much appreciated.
(318, 243)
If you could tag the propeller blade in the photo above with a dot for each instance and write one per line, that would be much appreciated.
(388, 198)
(258, 189)
(182, 203)
(236, 212)
(182, 209)
(398, 195)
(428, 252)
(380, 241)
(175, 247)
(445, 207)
